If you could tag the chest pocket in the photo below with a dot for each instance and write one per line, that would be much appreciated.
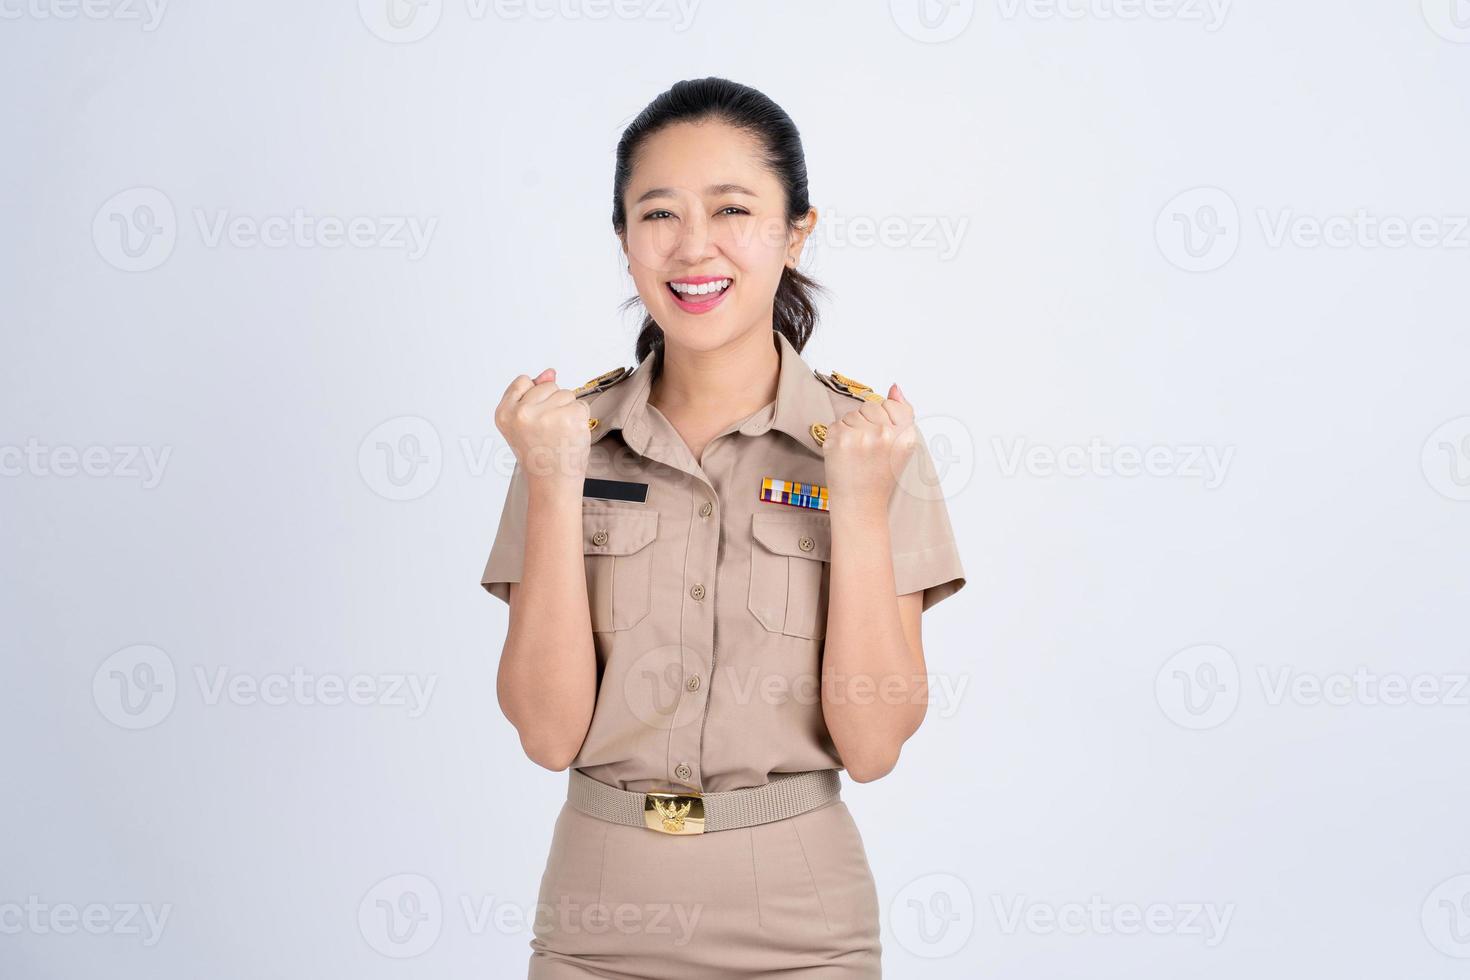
(789, 562)
(617, 549)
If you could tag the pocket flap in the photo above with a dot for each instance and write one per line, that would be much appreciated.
(617, 531)
(797, 535)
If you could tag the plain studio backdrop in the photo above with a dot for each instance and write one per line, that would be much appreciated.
(1178, 290)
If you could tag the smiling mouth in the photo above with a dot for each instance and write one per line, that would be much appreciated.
(700, 293)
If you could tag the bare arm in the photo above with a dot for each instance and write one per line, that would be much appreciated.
(875, 689)
(547, 681)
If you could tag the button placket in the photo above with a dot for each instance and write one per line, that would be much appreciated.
(698, 630)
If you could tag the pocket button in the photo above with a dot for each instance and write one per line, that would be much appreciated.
(599, 537)
(805, 543)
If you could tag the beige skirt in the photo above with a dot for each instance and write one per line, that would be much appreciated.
(793, 897)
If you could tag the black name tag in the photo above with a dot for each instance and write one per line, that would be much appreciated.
(615, 490)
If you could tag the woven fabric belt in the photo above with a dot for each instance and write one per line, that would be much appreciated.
(690, 812)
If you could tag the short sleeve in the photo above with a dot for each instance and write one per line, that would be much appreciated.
(508, 553)
(925, 555)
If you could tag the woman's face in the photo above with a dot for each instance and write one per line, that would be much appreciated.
(703, 211)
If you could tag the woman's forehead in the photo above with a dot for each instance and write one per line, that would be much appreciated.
(707, 159)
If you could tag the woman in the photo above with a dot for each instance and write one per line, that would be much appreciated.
(715, 565)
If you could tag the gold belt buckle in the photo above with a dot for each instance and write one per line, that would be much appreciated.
(674, 813)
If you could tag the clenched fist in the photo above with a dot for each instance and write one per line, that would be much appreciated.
(867, 449)
(546, 428)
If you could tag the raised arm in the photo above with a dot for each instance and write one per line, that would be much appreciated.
(547, 681)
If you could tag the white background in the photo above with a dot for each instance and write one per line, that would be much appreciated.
(1132, 192)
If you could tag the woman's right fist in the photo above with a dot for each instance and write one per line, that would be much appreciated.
(546, 428)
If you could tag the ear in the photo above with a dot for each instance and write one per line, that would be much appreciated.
(797, 238)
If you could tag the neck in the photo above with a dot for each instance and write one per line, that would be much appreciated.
(734, 380)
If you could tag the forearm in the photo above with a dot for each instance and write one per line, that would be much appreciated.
(872, 697)
(547, 681)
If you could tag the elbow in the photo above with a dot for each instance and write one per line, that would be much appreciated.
(545, 740)
(867, 769)
(555, 757)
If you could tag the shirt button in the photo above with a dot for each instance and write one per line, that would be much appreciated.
(697, 591)
(683, 771)
(706, 509)
(693, 682)
(805, 543)
(599, 536)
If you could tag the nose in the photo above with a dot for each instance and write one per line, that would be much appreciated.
(693, 241)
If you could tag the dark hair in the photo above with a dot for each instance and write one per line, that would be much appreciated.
(719, 99)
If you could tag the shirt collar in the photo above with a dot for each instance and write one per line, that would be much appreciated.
(801, 401)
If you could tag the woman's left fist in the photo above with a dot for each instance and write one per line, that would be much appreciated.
(867, 449)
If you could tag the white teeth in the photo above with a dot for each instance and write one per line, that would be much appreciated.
(700, 290)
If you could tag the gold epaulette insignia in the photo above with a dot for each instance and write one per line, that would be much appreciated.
(848, 386)
(602, 382)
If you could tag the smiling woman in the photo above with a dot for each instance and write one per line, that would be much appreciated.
(715, 178)
(712, 561)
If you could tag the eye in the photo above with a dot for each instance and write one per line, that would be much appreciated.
(733, 209)
(656, 215)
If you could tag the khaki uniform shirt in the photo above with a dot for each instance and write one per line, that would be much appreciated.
(709, 604)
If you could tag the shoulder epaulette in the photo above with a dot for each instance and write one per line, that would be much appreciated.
(848, 386)
(601, 383)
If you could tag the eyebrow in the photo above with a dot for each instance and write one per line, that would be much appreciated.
(713, 190)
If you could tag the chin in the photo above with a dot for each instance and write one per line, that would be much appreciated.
(702, 335)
